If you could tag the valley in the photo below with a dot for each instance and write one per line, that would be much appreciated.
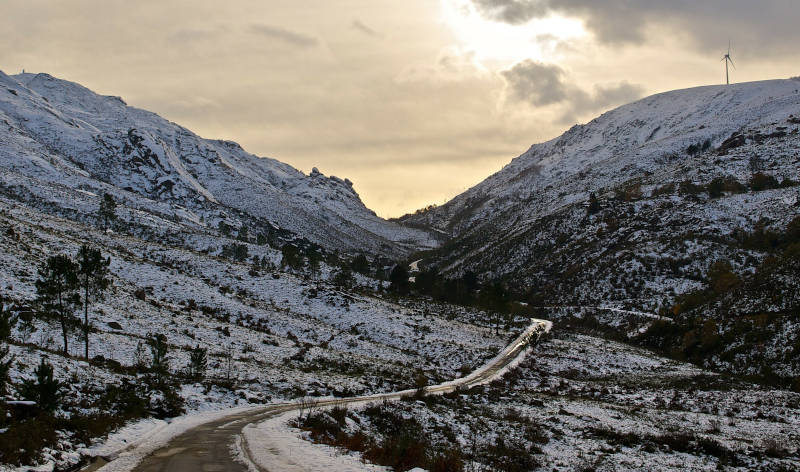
(660, 242)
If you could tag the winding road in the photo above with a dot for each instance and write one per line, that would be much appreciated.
(208, 447)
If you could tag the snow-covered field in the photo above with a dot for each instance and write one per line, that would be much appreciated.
(582, 403)
(275, 335)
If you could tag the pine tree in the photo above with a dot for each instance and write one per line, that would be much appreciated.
(92, 272)
(594, 205)
(235, 251)
(244, 234)
(495, 299)
(228, 363)
(7, 322)
(399, 279)
(314, 259)
(716, 188)
(343, 277)
(198, 362)
(57, 290)
(107, 210)
(290, 257)
(158, 351)
(45, 390)
(224, 228)
(360, 264)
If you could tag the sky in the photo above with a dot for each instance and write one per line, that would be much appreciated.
(414, 101)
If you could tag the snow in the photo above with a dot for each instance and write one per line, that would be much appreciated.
(272, 445)
(62, 146)
(352, 342)
(577, 387)
(173, 159)
(60, 133)
(529, 220)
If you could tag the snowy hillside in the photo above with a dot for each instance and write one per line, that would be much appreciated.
(270, 335)
(631, 141)
(58, 132)
(203, 315)
(686, 203)
(531, 217)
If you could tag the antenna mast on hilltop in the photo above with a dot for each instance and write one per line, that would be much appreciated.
(727, 59)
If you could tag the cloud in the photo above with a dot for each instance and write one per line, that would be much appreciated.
(514, 12)
(536, 83)
(287, 36)
(359, 26)
(540, 85)
(615, 21)
(453, 65)
(766, 27)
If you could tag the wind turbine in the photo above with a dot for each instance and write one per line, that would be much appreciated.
(727, 59)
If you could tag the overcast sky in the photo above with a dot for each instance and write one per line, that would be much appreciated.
(414, 101)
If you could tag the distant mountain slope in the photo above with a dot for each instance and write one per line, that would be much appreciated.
(58, 132)
(656, 223)
(623, 143)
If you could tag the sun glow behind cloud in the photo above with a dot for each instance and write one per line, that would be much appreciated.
(500, 44)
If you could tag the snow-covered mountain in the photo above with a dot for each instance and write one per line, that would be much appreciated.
(679, 180)
(631, 141)
(55, 132)
(685, 203)
(649, 164)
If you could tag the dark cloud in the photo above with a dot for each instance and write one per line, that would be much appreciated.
(359, 26)
(287, 36)
(511, 11)
(538, 85)
(758, 28)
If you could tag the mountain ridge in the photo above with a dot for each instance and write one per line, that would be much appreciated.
(634, 183)
(60, 131)
(558, 153)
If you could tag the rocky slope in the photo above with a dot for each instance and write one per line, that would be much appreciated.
(58, 134)
(654, 226)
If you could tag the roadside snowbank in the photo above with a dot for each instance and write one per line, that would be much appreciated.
(128, 446)
(273, 445)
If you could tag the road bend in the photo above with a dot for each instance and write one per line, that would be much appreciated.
(208, 447)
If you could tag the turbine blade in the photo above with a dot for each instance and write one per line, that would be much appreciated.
(734, 65)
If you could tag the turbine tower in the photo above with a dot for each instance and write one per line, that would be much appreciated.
(727, 59)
